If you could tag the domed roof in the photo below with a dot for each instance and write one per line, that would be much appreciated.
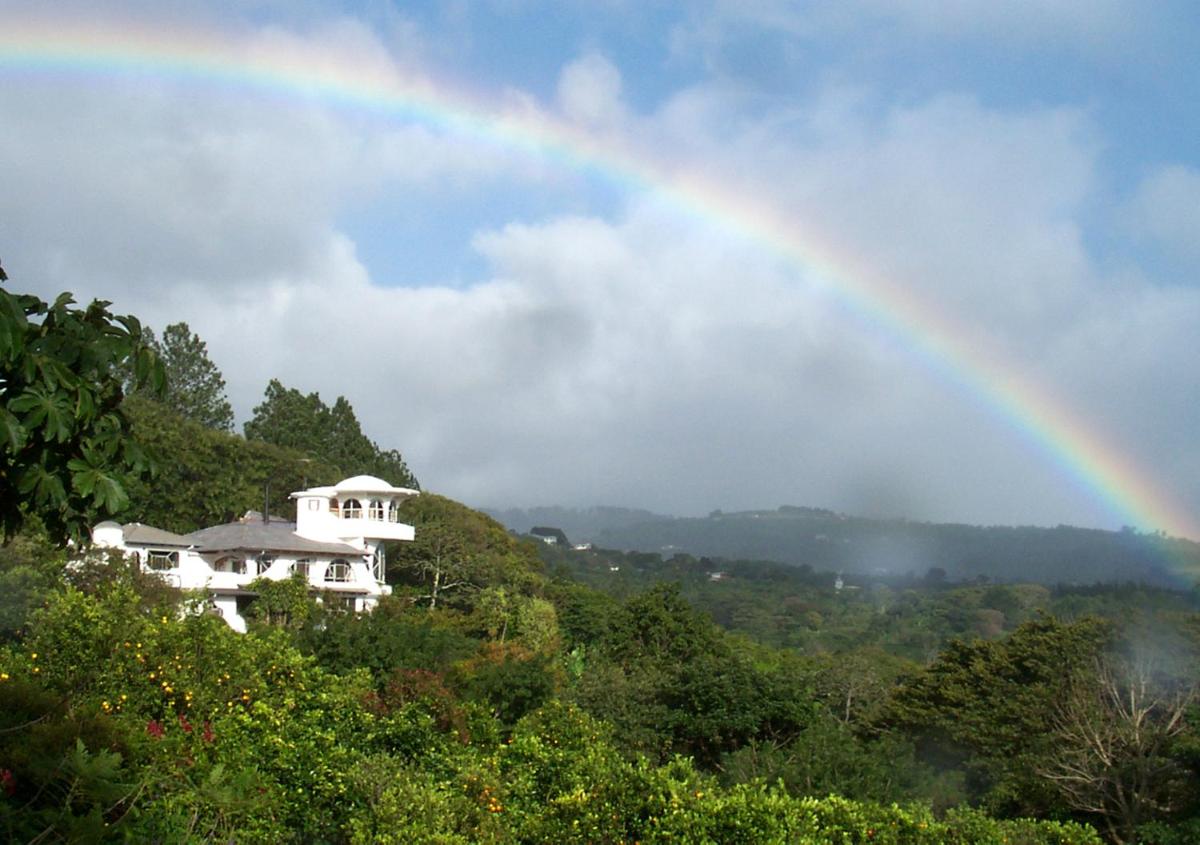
(369, 484)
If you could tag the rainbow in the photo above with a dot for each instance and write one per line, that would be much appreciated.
(282, 64)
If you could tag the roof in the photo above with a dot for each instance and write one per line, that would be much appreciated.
(259, 536)
(357, 484)
(148, 535)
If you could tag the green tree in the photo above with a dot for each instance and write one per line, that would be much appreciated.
(290, 418)
(195, 388)
(207, 476)
(460, 550)
(988, 703)
(65, 453)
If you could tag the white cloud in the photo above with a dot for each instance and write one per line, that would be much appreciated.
(1166, 210)
(589, 92)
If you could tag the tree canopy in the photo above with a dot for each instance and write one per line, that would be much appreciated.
(205, 476)
(333, 435)
(195, 387)
(65, 453)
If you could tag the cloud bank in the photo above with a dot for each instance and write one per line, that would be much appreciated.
(626, 353)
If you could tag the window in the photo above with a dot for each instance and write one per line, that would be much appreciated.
(333, 506)
(393, 512)
(314, 504)
(302, 567)
(336, 603)
(262, 563)
(338, 570)
(236, 565)
(351, 509)
(158, 559)
(378, 564)
(376, 510)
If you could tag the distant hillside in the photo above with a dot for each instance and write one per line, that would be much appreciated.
(831, 541)
(581, 525)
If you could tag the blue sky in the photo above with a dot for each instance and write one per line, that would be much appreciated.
(530, 333)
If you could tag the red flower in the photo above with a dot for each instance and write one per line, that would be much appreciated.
(208, 734)
(185, 724)
(154, 729)
(8, 783)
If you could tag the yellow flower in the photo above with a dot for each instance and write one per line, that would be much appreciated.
(3, 676)
(33, 656)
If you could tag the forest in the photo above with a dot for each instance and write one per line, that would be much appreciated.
(553, 695)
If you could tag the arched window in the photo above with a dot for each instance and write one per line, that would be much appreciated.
(302, 567)
(393, 511)
(375, 511)
(230, 563)
(333, 506)
(338, 571)
(351, 509)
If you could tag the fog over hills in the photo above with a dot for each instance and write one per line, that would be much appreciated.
(826, 540)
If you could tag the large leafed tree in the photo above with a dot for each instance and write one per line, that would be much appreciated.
(65, 450)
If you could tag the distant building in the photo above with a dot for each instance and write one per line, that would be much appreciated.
(550, 536)
(336, 544)
(717, 576)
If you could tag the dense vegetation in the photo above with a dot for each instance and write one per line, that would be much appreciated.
(502, 697)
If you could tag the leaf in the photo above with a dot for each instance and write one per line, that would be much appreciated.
(12, 433)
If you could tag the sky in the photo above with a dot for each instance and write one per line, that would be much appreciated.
(901, 258)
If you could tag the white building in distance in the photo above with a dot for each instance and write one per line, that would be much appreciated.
(336, 543)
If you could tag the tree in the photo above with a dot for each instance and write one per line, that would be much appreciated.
(205, 476)
(65, 453)
(988, 702)
(195, 388)
(289, 418)
(1112, 740)
(460, 549)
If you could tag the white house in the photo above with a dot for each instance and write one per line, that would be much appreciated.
(336, 543)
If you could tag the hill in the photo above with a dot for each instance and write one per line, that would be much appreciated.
(829, 541)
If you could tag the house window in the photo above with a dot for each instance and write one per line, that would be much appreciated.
(333, 506)
(393, 512)
(340, 603)
(159, 560)
(229, 563)
(302, 567)
(338, 571)
(376, 510)
(262, 563)
(314, 504)
(351, 509)
(378, 564)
